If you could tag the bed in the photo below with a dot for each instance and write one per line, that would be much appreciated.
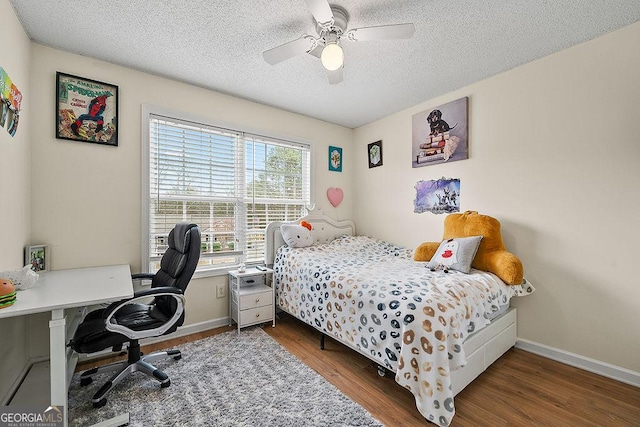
(436, 331)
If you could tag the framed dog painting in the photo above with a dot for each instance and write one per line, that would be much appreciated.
(441, 134)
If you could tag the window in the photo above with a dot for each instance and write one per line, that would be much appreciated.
(231, 183)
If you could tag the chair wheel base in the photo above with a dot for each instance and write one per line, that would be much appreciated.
(165, 385)
(85, 381)
(100, 403)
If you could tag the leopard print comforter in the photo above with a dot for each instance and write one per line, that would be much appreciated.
(372, 296)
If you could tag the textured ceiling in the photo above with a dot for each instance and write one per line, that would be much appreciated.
(218, 44)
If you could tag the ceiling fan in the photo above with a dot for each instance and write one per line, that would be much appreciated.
(331, 26)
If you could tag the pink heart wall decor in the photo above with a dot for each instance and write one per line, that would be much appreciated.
(335, 196)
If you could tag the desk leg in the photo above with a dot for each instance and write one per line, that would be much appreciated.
(58, 361)
(273, 298)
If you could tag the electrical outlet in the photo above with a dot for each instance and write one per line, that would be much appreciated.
(221, 290)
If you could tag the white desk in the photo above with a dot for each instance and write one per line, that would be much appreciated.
(56, 291)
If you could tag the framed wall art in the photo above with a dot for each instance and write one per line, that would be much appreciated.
(438, 196)
(374, 151)
(335, 159)
(86, 110)
(37, 256)
(440, 134)
(10, 103)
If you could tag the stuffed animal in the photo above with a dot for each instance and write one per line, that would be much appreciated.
(491, 255)
(297, 236)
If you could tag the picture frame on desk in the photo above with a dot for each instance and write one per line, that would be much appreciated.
(37, 256)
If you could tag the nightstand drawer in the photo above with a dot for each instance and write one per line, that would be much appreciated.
(254, 299)
(257, 279)
(256, 315)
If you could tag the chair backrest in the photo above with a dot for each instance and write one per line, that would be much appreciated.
(178, 263)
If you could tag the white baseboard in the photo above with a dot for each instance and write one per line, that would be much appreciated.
(617, 373)
(6, 399)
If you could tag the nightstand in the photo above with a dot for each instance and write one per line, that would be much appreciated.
(251, 297)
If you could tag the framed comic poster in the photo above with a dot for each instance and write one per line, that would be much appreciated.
(440, 134)
(86, 110)
(335, 159)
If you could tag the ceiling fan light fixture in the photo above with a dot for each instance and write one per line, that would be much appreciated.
(332, 56)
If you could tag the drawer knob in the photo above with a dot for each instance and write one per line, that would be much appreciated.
(257, 299)
(257, 314)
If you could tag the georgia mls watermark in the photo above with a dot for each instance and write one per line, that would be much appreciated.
(27, 416)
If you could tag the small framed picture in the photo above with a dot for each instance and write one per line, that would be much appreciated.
(335, 159)
(37, 256)
(86, 110)
(374, 151)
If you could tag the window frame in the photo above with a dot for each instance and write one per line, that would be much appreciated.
(147, 112)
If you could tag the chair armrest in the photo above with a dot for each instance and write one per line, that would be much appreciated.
(115, 306)
(157, 291)
(110, 312)
(503, 264)
(140, 276)
(142, 281)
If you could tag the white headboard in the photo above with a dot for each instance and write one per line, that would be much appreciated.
(325, 230)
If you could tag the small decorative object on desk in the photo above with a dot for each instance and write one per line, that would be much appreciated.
(7, 293)
(241, 268)
(37, 257)
(22, 279)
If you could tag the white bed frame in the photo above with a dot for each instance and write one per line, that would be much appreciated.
(482, 348)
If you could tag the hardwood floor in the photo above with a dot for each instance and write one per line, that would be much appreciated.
(518, 389)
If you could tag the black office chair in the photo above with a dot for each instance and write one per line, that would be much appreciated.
(135, 318)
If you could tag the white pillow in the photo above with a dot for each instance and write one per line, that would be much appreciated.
(455, 254)
(296, 236)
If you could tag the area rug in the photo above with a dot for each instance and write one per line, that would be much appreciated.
(224, 380)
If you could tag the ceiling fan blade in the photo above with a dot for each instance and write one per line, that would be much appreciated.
(317, 51)
(336, 76)
(383, 32)
(321, 11)
(289, 50)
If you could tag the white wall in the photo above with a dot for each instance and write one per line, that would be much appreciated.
(15, 188)
(87, 198)
(555, 156)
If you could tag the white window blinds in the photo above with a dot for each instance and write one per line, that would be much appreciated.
(230, 183)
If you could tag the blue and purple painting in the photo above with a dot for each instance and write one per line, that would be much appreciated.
(438, 196)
